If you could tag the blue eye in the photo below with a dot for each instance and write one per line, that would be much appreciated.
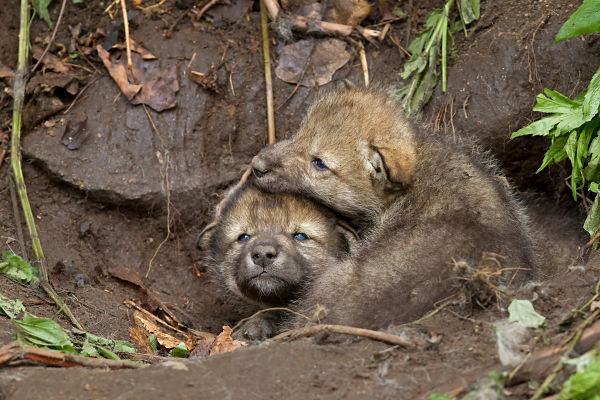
(319, 164)
(300, 236)
(244, 237)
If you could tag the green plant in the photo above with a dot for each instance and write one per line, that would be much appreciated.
(572, 125)
(427, 49)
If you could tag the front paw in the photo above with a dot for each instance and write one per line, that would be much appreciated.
(256, 329)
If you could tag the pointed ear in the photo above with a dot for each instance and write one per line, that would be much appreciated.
(204, 236)
(399, 165)
(349, 235)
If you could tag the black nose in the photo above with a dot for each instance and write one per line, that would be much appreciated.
(264, 255)
(260, 166)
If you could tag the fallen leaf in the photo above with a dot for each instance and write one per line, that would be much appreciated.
(349, 12)
(136, 47)
(311, 62)
(202, 348)
(180, 351)
(75, 134)
(140, 337)
(145, 83)
(10, 308)
(43, 332)
(224, 343)
(166, 340)
(6, 72)
(50, 61)
(118, 71)
(522, 311)
(595, 305)
(14, 267)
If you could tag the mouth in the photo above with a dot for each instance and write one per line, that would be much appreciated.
(267, 288)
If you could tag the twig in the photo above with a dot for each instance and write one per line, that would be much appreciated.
(363, 62)
(127, 38)
(268, 80)
(303, 24)
(2, 156)
(52, 37)
(15, 151)
(285, 309)
(17, 215)
(571, 342)
(206, 7)
(15, 351)
(345, 330)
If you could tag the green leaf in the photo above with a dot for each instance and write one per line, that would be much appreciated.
(17, 269)
(586, 19)
(153, 343)
(77, 1)
(438, 396)
(180, 351)
(541, 127)
(123, 346)
(584, 385)
(43, 332)
(41, 7)
(106, 353)
(594, 187)
(571, 149)
(592, 222)
(469, 10)
(10, 308)
(554, 102)
(522, 311)
(591, 172)
(591, 101)
(88, 350)
(555, 153)
(571, 121)
(416, 64)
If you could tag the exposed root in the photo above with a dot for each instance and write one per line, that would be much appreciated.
(345, 330)
(485, 283)
(15, 352)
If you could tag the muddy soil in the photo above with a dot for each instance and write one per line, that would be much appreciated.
(104, 205)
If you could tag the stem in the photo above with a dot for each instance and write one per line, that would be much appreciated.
(15, 151)
(444, 45)
(268, 79)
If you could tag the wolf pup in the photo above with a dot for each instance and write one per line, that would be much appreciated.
(422, 202)
(267, 249)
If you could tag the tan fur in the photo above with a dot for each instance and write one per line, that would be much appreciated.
(422, 202)
(272, 220)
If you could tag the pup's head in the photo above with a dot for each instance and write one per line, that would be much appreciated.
(353, 152)
(268, 247)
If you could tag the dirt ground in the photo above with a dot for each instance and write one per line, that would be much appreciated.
(105, 205)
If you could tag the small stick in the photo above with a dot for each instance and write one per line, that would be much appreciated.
(256, 314)
(15, 151)
(15, 351)
(268, 79)
(345, 330)
(52, 37)
(127, 39)
(363, 62)
(2, 157)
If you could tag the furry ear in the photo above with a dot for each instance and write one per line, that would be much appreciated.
(349, 235)
(204, 236)
(399, 165)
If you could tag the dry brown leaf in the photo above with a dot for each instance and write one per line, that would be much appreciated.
(164, 339)
(50, 61)
(146, 83)
(6, 72)
(224, 343)
(139, 335)
(118, 71)
(349, 12)
(136, 47)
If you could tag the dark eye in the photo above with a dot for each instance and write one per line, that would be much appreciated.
(300, 236)
(244, 237)
(319, 164)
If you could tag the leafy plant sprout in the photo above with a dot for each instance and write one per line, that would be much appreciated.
(425, 50)
(573, 125)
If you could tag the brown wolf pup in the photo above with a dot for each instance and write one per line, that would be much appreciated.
(267, 248)
(423, 204)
